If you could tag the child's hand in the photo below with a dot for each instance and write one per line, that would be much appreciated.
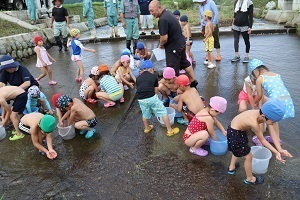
(44, 64)
(285, 153)
(51, 154)
(61, 124)
(225, 133)
(278, 157)
(51, 112)
(93, 50)
(53, 60)
(131, 85)
(204, 40)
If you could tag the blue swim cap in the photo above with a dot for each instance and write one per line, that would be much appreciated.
(125, 53)
(176, 12)
(273, 109)
(126, 50)
(254, 63)
(140, 45)
(184, 18)
(147, 64)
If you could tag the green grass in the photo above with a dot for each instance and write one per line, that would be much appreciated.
(9, 28)
(298, 30)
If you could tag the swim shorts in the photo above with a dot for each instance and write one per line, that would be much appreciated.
(92, 122)
(19, 104)
(76, 58)
(209, 44)
(23, 128)
(153, 104)
(237, 142)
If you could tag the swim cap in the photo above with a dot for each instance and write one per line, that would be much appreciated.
(63, 101)
(74, 32)
(37, 38)
(182, 80)
(273, 109)
(169, 73)
(254, 63)
(55, 98)
(34, 91)
(146, 64)
(125, 58)
(126, 50)
(140, 45)
(125, 53)
(184, 18)
(208, 13)
(47, 123)
(218, 103)
(176, 12)
(103, 68)
(95, 71)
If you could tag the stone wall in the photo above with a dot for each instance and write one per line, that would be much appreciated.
(291, 18)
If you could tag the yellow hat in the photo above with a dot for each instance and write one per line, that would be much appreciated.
(74, 32)
(208, 13)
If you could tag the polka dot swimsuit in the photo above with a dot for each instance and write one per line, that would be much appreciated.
(194, 126)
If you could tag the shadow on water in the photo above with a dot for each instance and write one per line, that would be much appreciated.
(122, 162)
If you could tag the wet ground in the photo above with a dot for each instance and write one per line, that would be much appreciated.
(121, 162)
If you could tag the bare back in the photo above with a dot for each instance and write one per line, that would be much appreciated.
(186, 31)
(192, 100)
(10, 92)
(81, 111)
(171, 86)
(246, 120)
(32, 120)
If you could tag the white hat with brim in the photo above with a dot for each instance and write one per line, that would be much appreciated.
(198, 1)
(7, 62)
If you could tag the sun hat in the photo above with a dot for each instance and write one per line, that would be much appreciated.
(169, 73)
(176, 12)
(74, 32)
(63, 101)
(146, 64)
(208, 13)
(125, 58)
(140, 46)
(198, 1)
(218, 103)
(55, 98)
(34, 91)
(184, 18)
(95, 71)
(103, 68)
(182, 80)
(273, 109)
(7, 62)
(47, 123)
(37, 38)
(254, 63)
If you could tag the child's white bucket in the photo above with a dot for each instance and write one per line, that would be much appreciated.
(159, 53)
(2, 132)
(67, 133)
(260, 160)
(171, 115)
(177, 114)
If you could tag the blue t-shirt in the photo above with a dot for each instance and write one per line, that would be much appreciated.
(144, 6)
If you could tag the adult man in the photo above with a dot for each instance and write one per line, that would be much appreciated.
(111, 8)
(172, 40)
(88, 13)
(210, 5)
(146, 17)
(130, 17)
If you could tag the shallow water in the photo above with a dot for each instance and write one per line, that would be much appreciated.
(121, 162)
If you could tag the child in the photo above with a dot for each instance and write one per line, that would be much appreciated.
(186, 31)
(209, 39)
(111, 90)
(43, 61)
(37, 99)
(167, 85)
(189, 102)
(272, 85)
(202, 126)
(147, 88)
(60, 22)
(177, 14)
(272, 111)
(20, 98)
(76, 54)
(247, 95)
(60, 113)
(142, 52)
(117, 64)
(39, 127)
(85, 119)
(90, 86)
(124, 73)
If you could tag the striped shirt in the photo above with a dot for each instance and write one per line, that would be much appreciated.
(109, 84)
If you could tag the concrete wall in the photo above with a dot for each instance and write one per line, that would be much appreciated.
(291, 18)
(289, 4)
(296, 5)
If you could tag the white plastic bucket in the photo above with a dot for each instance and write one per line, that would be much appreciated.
(177, 114)
(220, 146)
(2, 132)
(171, 115)
(159, 53)
(67, 133)
(260, 160)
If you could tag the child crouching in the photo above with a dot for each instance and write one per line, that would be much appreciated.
(90, 86)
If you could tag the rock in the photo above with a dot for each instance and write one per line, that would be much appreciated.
(100, 22)
(18, 45)
(48, 32)
(271, 5)
(29, 50)
(81, 26)
(296, 19)
(14, 54)
(13, 45)
(257, 12)
(287, 15)
(2, 49)
(24, 45)
(30, 43)
(25, 53)
(19, 54)
(8, 48)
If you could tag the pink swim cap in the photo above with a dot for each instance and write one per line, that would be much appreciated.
(218, 103)
(169, 73)
(124, 58)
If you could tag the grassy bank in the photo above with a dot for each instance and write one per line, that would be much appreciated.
(8, 28)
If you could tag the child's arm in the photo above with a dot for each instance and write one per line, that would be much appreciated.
(42, 96)
(259, 90)
(66, 115)
(78, 43)
(179, 105)
(250, 95)
(115, 68)
(219, 126)
(50, 57)
(38, 54)
(120, 72)
(34, 131)
(6, 111)
(28, 104)
(51, 152)
(131, 75)
(95, 86)
(188, 34)
(72, 115)
(210, 128)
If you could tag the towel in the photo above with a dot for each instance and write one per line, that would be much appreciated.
(243, 4)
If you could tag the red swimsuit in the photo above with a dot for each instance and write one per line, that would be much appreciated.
(194, 126)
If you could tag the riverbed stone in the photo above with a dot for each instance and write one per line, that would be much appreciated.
(13, 45)
(25, 53)
(14, 54)
(18, 44)
(2, 49)
(81, 26)
(257, 12)
(29, 50)
(8, 48)
(19, 54)
(100, 21)
(287, 15)
(49, 34)
(24, 45)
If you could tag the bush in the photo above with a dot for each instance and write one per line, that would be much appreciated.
(185, 4)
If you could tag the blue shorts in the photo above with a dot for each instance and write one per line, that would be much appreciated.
(153, 104)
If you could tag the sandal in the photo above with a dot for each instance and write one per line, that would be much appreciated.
(109, 104)
(16, 137)
(92, 101)
(122, 100)
(199, 152)
(52, 83)
(149, 130)
(173, 132)
(77, 79)
(259, 179)
(231, 172)
(270, 140)
(82, 132)
(182, 121)
(256, 141)
(90, 133)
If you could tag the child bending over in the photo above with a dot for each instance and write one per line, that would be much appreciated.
(124, 73)
(89, 87)
(142, 52)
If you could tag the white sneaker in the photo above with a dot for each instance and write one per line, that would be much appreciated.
(126, 87)
(210, 66)
(205, 62)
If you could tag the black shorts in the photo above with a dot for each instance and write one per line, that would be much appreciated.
(177, 60)
(237, 142)
(172, 94)
(92, 122)
(19, 104)
(23, 128)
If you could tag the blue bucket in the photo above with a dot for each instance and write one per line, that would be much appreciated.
(220, 146)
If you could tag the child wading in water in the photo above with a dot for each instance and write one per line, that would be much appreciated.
(202, 126)
(270, 112)
(147, 88)
(43, 61)
(186, 31)
(76, 54)
(125, 74)
(90, 86)
(142, 52)
(209, 39)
